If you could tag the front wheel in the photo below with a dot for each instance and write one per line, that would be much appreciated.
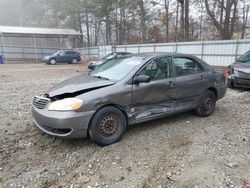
(107, 126)
(52, 61)
(206, 105)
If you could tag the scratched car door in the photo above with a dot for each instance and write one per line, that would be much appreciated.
(155, 98)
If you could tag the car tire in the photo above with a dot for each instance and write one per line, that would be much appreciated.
(206, 104)
(52, 62)
(107, 126)
(230, 84)
(74, 61)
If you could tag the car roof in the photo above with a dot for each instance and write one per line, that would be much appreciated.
(69, 50)
(123, 52)
(156, 54)
(150, 55)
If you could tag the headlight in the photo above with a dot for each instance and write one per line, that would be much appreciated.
(67, 104)
(236, 73)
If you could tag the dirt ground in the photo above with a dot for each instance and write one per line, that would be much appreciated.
(178, 151)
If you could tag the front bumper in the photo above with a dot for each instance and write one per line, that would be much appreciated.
(46, 60)
(240, 82)
(62, 124)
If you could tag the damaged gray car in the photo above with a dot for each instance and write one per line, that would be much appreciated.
(128, 91)
(239, 74)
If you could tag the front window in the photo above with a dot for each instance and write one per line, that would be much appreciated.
(245, 58)
(159, 68)
(57, 53)
(117, 69)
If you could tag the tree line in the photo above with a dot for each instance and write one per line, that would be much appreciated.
(133, 21)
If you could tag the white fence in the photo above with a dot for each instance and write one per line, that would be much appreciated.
(219, 53)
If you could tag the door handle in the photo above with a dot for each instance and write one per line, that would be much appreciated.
(202, 77)
(171, 84)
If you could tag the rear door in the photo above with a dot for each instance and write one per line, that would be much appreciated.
(191, 81)
(70, 55)
(155, 98)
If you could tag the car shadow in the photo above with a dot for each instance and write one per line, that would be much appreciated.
(241, 89)
(134, 129)
(153, 124)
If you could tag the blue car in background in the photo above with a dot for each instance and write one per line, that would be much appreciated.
(63, 56)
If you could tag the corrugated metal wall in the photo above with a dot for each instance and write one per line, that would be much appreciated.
(219, 53)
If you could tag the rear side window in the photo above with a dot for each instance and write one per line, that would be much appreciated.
(186, 66)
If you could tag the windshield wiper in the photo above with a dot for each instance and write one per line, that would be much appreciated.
(101, 77)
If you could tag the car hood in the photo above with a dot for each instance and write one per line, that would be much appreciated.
(81, 83)
(242, 67)
(46, 57)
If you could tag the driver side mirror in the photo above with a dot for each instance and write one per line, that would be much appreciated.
(141, 79)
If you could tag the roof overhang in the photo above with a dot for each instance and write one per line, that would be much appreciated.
(37, 31)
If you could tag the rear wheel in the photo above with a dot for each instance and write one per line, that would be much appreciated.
(52, 61)
(207, 104)
(74, 61)
(107, 126)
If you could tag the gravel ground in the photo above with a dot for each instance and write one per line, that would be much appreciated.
(178, 151)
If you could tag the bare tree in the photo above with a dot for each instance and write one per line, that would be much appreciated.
(244, 20)
(186, 20)
(182, 31)
(227, 10)
(142, 20)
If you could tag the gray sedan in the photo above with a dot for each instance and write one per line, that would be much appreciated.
(239, 74)
(127, 91)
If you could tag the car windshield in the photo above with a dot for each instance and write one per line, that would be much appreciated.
(58, 52)
(117, 69)
(245, 58)
(109, 56)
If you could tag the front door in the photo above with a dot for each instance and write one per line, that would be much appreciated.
(61, 57)
(155, 98)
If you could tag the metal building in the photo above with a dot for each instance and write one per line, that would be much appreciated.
(29, 43)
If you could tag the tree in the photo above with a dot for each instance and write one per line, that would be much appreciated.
(142, 20)
(223, 15)
(186, 20)
(244, 19)
(181, 2)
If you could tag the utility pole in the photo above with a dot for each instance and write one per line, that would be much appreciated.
(87, 25)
